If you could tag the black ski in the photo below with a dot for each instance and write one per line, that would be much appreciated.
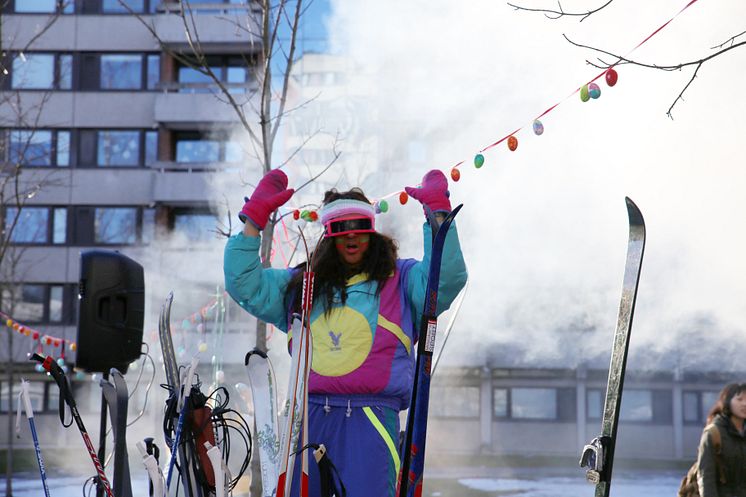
(598, 456)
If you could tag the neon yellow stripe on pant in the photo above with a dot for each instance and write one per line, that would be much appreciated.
(385, 435)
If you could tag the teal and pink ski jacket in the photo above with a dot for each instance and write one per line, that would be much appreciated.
(364, 348)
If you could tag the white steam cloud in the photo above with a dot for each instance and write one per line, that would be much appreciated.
(544, 228)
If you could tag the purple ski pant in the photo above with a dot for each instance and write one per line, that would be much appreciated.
(361, 440)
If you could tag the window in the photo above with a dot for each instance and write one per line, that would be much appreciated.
(32, 225)
(38, 147)
(46, 303)
(42, 71)
(104, 225)
(594, 403)
(115, 7)
(27, 302)
(195, 147)
(232, 71)
(33, 71)
(697, 406)
(153, 71)
(197, 227)
(44, 6)
(118, 148)
(31, 148)
(637, 405)
(121, 72)
(148, 226)
(36, 395)
(151, 147)
(500, 402)
(533, 403)
(59, 226)
(455, 402)
(115, 225)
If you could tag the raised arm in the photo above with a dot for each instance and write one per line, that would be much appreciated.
(453, 274)
(433, 194)
(259, 290)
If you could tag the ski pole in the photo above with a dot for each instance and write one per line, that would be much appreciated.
(154, 472)
(23, 398)
(51, 367)
(216, 460)
(182, 405)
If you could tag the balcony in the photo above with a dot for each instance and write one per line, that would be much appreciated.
(199, 103)
(184, 184)
(221, 27)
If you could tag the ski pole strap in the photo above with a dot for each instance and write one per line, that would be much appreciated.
(327, 471)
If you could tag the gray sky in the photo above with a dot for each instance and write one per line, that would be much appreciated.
(544, 228)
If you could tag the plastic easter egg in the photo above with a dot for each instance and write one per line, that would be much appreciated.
(27, 332)
(304, 215)
(73, 346)
(9, 323)
(200, 328)
(512, 143)
(594, 91)
(296, 214)
(478, 160)
(313, 216)
(219, 376)
(56, 343)
(584, 95)
(455, 174)
(202, 347)
(39, 368)
(383, 205)
(538, 127)
(48, 341)
(79, 375)
(185, 324)
(611, 77)
(16, 326)
(60, 362)
(21, 329)
(403, 198)
(35, 336)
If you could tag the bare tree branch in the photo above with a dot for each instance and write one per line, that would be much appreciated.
(556, 14)
(674, 67)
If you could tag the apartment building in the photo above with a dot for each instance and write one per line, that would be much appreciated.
(122, 143)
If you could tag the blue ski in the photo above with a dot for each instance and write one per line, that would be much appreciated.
(413, 450)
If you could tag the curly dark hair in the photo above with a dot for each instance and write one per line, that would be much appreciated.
(722, 405)
(332, 273)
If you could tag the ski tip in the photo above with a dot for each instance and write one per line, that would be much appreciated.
(634, 214)
(256, 351)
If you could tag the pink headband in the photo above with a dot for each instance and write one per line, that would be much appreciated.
(348, 209)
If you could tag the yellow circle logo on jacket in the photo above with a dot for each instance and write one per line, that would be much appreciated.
(342, 340)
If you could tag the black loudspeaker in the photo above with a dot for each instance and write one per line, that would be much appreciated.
(111, 311)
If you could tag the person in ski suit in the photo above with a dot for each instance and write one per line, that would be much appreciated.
(728, 415)
(364, 321)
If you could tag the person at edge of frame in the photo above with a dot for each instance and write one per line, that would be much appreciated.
(728, 415)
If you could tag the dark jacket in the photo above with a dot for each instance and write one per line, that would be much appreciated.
(732, 458)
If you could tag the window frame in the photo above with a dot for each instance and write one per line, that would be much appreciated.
(56, 70)
(54, 152)
(49, 234)
(59, 8)
(69, 295)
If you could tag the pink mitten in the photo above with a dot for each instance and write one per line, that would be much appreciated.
(271, 192)
(433, 193)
